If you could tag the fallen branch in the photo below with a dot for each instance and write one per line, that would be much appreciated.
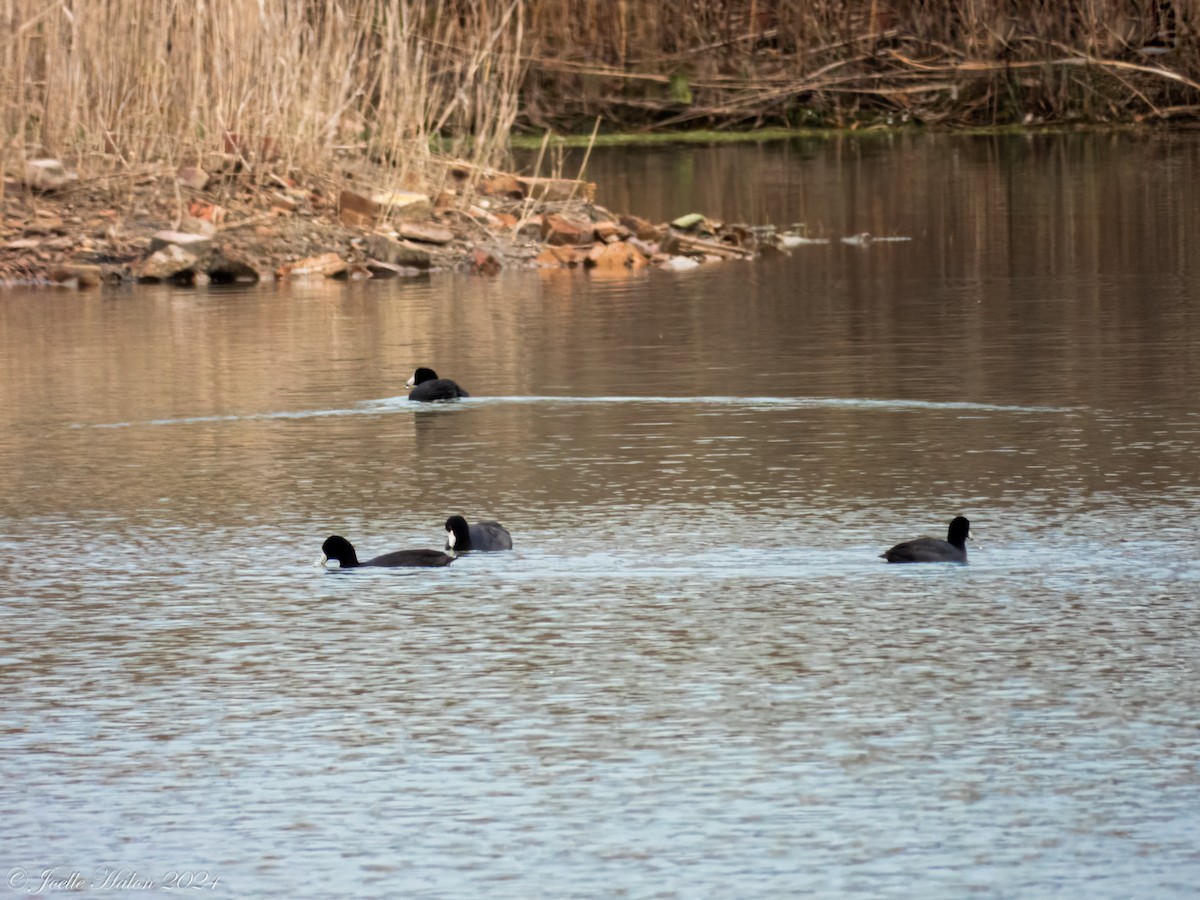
(976, 67)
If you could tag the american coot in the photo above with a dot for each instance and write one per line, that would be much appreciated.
(462, 537)
(927, 549)
(426, 386)
(342, 550)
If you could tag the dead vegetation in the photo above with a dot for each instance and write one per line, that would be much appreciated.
(846, 63)
(321, 86)
(122, 117)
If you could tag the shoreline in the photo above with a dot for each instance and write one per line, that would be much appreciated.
(245, 223)
(252, 221)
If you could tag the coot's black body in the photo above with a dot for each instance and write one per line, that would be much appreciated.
(342, 550)
(927, 549)
(486, 536)
(427, 387)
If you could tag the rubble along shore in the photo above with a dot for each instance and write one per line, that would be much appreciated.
(188, 226)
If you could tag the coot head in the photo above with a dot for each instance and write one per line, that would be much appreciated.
(339, 549)
(485, 536)
(421, 375)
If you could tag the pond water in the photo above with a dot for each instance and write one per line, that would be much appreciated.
(693, 676)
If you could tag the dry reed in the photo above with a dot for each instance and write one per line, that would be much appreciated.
(315, 84)
(311, 84)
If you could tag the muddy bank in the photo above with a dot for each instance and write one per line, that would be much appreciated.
(193, 226)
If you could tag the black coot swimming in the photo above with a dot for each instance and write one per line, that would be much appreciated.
(927, 549)
(337, 547)
(427, 387)
(462, 537)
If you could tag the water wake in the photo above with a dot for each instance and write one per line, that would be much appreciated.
(390, 405)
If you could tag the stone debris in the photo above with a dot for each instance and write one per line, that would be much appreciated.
(355, 210)
(47, 175)
(250, 225)
(196, 244)
(425, 232)
(169, 263)
(402, 204)
(391, 250)
(227, 266)
(559, 257)
(560, 231)
(619, 255)
(78, 276)
(328, 265)
(484, 263)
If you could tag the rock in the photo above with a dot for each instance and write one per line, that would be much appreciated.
(403, 204)
(171, 262)
(356, 210)
(425, 232)
(484, 263)
(47, 175)
(646, 248)
(558, 258)
(77, 276)
(679, 263)
(327, 265)
(192, 177)
(198, 226)
(226, 268)
(531, 227)
(195, 244)
(502, 186)
(387, 270)
(353, 272)
(609, 232)
(397, 253)
(693, 222)
(559, 231)
(614, 256)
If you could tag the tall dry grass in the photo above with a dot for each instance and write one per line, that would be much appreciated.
(109, 84)
(308, 83)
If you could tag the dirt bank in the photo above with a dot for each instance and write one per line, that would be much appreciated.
(189, 226)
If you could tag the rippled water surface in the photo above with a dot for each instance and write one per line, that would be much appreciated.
(693, 677)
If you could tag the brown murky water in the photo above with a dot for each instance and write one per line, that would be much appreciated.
(693, 676)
